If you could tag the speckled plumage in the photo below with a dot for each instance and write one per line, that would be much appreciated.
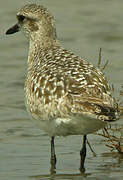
(60, 86)
(65, 94)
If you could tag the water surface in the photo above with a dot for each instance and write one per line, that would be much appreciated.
(83, 27)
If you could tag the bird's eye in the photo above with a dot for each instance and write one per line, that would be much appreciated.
(21, 18)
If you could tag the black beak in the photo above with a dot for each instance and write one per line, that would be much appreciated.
(13, 29)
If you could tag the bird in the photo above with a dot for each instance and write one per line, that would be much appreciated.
(65, 94)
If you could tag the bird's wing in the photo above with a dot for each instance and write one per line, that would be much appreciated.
(93, 97)
(73, 104)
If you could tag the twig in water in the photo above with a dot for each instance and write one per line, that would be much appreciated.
(105, 65)
(94, 154)
(99, 60)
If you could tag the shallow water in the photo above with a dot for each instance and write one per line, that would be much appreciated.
(83, 27)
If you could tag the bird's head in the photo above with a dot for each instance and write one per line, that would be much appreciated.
(35, 21)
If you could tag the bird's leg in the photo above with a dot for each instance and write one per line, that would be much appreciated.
(83, 154)
(53, 156)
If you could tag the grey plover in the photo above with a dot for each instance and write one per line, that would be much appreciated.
(65, 94)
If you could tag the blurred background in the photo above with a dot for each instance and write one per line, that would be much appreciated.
(83, 26)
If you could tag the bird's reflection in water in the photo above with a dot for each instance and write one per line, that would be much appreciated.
(54, 176)
(102, 170)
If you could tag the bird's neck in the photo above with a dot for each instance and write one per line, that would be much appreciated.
(38, 48)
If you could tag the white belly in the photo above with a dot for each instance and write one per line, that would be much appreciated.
(77, 125)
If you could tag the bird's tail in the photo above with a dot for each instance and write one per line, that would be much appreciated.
(108, 113)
